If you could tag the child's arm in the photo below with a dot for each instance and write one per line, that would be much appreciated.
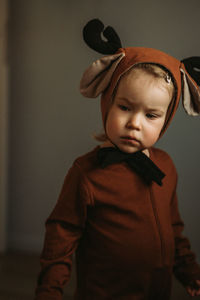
(186, 269)
(64, 228)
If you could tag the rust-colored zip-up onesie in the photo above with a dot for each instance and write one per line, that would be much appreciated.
(127, 234)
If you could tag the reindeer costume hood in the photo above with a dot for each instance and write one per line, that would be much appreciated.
(103, 75)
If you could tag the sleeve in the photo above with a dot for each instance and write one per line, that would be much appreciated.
(185, 268)
(64, 228)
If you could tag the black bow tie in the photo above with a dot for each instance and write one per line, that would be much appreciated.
(138, 161)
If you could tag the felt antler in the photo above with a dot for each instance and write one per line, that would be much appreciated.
(92, 36)
(190, 64)
(97, 77)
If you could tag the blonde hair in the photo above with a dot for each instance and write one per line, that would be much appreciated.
(155, 70)
(158, 72)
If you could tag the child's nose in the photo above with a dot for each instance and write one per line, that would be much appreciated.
(134, 122)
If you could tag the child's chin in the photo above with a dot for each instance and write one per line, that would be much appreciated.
(128, 149)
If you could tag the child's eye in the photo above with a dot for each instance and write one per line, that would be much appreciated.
(123, 107)
(151, 116)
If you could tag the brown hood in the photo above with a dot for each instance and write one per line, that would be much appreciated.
(103, 75)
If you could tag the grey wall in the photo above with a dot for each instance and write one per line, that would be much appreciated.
(3, 121)
(51, 123)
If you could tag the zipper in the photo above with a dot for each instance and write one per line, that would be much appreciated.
(158, 224)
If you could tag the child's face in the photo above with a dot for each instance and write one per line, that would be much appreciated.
(138, 112)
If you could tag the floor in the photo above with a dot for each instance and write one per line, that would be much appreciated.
(18, 275)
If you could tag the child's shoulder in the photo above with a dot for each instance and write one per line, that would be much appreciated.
(88, 160)
(162, 159)
(159, 153)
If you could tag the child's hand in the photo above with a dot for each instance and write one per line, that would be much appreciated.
(194, 288)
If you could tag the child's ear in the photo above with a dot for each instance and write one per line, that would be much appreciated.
(97, 77)
(190, 81)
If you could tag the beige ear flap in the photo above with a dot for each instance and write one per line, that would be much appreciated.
(97, 77)
(190, 94)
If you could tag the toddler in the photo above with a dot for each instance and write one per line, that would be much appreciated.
(118, 209)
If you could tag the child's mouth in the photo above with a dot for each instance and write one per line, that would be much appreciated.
(130, 140)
